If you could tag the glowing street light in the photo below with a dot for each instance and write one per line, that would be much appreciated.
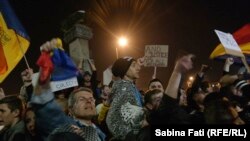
(190, 81)
(191, 78)
(122, 42)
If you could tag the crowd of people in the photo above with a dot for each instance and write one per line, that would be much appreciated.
(120, 111)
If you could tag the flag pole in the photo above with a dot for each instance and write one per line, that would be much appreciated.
(155, 70)
(243, 59)
(24, 56)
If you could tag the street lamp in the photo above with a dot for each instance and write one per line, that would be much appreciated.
(122, 42)
(190, 81)
(191, 78)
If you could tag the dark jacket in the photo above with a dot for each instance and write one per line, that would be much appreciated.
(15, 133)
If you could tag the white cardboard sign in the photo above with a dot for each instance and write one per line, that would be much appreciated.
(57, 85)
(229, 43)
(107, 76)
(63, 84)
(156, 55)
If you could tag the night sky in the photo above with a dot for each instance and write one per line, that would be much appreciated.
(184, 25)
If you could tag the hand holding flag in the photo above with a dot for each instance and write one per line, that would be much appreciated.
(27, 77)
(55, 62)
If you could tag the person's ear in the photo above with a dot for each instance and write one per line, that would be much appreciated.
(70, 113)
(16, 112)
(150, 106)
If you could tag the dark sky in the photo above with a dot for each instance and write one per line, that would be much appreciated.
(184, 25)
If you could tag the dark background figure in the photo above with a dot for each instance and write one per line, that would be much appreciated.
(30, 125)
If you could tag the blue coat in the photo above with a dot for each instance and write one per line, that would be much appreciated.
(50, 116)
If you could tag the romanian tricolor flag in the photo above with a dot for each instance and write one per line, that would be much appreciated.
(242, 37)
(14, 41)
(56, 65)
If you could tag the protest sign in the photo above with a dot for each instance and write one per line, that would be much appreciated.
(107, 76)
(57, 85)
(63, 84)
(230, 45)
(156, 55)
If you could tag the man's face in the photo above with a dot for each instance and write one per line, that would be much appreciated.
(6, 115)
(87, 78)
(133, 71)
(106, 90)
(84, 106)
(156, 85)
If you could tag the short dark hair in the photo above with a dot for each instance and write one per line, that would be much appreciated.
(154, 80)
(86, 73)
(14, 103)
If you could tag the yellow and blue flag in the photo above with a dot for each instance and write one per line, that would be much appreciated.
(14, 41)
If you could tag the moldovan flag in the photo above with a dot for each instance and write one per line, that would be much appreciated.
(14, 41)
(242, 37)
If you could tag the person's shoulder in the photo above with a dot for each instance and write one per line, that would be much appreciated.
(18, 128)
(19, 136)
(67, 132)
(121, 83)
(66, 136)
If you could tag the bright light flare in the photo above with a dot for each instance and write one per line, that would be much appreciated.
(122, 42)
(191, 78)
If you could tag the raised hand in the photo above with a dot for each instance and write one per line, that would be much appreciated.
(92, 65)
(229, 61)
(52, 44)
(185, 63)
(140, 61)
(27, 77)
(205, 68)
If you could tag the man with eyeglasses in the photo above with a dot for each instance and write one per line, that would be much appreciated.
(53, 123)
(81, 104)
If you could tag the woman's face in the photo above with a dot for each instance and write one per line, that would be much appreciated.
(30, 119)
